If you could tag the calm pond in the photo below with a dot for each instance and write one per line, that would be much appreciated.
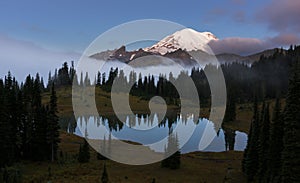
(147, 131)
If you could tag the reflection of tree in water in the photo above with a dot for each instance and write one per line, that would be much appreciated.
(115, 124)
(112, 121)
(105, 148)
(169, 119)
(68, 123)
(86, 134)
(229, 136)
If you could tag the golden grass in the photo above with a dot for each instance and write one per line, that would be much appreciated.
(102, 100)
(195, 167)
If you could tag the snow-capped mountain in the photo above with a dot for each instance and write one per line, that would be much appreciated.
(179, 46)
(185, 39)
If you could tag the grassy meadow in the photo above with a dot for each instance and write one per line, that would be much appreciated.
(195, 167)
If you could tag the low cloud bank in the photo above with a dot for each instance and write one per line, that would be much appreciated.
(23, 58)
(247, 46)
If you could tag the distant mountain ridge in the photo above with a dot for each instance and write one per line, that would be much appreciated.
(179, 47)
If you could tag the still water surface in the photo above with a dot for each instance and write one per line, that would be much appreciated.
(148, 131)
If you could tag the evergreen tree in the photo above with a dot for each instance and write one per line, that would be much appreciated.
(229, 136)
(98, 83)
(53, 125)
(64, 78)
(9, 122)
(264, 142)
(173, 161)
(80, 155)
(72, 72)
(104, 178)
(42, 85)
(21, 116)
(103, 79)
(112, 75)
(145, 85)
(140, 84)
(5, 130)
(11, 89)
(27, 125)
(152, 85)
(250, 161)
(55, 78)
(84, 153)
(39, 140)
(230, 113)
(50, 81)
(291, 144)
(276, 145)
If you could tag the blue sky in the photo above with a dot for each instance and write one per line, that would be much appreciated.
(67, 27)
(71, 25)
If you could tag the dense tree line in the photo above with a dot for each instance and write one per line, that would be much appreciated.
(28, 128)
(267, 78)
(273, 148)
(63, 76)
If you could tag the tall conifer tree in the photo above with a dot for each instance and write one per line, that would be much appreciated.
(264, 142)
(276, 145)
(53, 126)
(291, 144)
(250, 161)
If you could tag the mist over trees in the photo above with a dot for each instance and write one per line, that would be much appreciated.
(266, 79)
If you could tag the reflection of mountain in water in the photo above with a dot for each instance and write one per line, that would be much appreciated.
(145, 129)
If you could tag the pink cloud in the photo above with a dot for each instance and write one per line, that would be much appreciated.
(236, 45)
(246, 46)
(281, 15)
(285, 39)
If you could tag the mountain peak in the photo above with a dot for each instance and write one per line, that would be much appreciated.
(186, 39)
